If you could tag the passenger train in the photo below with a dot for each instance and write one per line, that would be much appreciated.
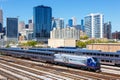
(109, 58)
(89, 63)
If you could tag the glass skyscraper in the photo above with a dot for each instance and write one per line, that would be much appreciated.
(1, 20)
(94, 25)
(42, 19)
(58, 22)
(107, 30)
(70, 22)
(12, 29)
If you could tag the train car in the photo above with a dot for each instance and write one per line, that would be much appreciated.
(44, 56)
(85, 62)
(108, 58)
(89, 63)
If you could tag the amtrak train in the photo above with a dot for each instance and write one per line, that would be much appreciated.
(89, 63)
(109, 58)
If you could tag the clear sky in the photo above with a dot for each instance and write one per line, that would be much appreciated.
(64, 9)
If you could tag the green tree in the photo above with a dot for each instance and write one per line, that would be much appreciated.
(84, 37)
(81, 44)
(31, 43)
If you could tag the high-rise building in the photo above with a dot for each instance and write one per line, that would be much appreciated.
(82, 25)
(74, 21)
(65, 33)
(12, 29)
(42, 20)
(21, 26)
(107, 30)
(58, 22)
(30, 21)
(70, 22)
(1, 20)
(94, 25)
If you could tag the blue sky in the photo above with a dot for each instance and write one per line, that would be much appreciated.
(64, 9)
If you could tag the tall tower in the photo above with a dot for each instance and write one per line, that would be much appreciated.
(58, 22)
(74, 21)
(94, 25)
(107, 30)
(42, 19)
(70, 22)
(21, 26)
(1, 20)
(12, 29)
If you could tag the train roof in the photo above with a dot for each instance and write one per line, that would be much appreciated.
(35, 51)
(64, 49)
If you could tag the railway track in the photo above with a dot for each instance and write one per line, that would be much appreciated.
(66, 73)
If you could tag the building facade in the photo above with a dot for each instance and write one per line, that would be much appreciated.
(74, 21)
(116, 35)
(107, 30)
(82, 25)
(65, 33)
(1, 20)
(106, 47)
(94, 25)
(21, 26)
(12, 29)
(58, 22)
(42, 19)
(70, 22)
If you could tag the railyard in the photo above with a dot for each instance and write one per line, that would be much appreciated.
(21, 69)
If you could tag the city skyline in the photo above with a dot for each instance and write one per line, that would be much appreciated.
(63, 9)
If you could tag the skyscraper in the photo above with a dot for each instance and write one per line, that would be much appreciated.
(58, 22)
(107, 30)
(82, 25)
(21, 26)
(94, 25)
(1, 20)
(74, 21)
(70, 22)
(42, 19)
(12, 29)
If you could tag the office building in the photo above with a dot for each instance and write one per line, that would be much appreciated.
(1, 20)
(12, 29)
(30, 21)
(94, 25)
(82, 25)
(58, 22)
(42, 19)
(74, 21)
(116, 35)
(107, 30)
(21, 26)
(70, 22)
(65, 33)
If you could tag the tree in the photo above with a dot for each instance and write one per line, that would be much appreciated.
(31, 43)
(81, 44)
(84, 37)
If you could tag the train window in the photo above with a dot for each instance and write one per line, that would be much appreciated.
(110, 61)
(116, 55)
(90, 53)
(98, 54)
(107, 54)
(83, 53)
(94, 53)
(107, 60)
(111, 55)
(102, 60)
(102, 54)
